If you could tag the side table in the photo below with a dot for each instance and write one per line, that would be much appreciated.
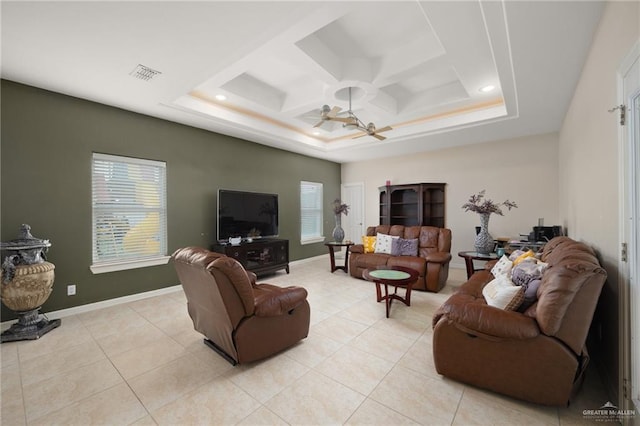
(332, 245)
(470, 256)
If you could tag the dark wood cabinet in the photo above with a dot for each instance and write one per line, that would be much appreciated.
(421, 204)
(262, 256)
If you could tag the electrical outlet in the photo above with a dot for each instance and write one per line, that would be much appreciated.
(71, 290)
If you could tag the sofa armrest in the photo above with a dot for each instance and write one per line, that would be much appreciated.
(271, 300)
(357, 248)
(252, 278)
(438, 257)
(474, 316)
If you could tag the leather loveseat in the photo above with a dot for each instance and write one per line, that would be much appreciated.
(431, 262)
(538, 355)
(241, 320)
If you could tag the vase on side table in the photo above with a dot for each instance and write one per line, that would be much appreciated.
(484, 241)
(338, 232)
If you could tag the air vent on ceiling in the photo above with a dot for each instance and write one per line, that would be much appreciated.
(144, 73)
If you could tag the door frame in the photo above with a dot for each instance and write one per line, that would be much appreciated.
(629, 211)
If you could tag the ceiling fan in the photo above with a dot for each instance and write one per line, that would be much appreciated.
(350, 121)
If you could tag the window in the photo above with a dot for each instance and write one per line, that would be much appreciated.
(310, 213)
(129, 205)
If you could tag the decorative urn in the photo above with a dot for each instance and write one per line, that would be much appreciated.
(27, 282)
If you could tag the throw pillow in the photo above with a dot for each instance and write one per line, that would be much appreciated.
(369, 244)
(530, 294)
(502, 267)
(515, 254)
(404, 247)
(522, 257)
(527, 270)
(503, 294)
(383, 243)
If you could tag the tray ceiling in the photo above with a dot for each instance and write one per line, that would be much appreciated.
(417, 66)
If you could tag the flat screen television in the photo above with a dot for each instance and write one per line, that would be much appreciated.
(246, 214)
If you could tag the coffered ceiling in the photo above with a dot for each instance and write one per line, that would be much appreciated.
(263, 70)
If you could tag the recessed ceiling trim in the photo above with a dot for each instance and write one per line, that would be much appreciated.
(251, 114)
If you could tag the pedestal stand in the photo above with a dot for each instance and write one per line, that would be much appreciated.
(30, 326)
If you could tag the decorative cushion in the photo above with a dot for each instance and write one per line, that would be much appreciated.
(404, 247)
(502, 267)
(383, 243)
(369, 244)
(530, 294)
(522, 257)
(515, 254)
(502, 293)
(527, 270)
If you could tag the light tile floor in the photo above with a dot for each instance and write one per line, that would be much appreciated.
(141, 363)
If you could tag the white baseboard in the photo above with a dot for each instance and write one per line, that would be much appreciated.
(130, 298)
(102, 304)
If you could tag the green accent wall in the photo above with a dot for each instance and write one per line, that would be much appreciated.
(46, 148)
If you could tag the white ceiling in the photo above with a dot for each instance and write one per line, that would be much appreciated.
(416, 66)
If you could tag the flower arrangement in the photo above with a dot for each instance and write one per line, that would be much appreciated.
(339, 207)
(479, 204)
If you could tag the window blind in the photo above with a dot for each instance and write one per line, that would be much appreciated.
(311, 211)
(129, 209)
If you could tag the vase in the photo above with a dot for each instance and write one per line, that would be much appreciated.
(484, 241)
(338, 232)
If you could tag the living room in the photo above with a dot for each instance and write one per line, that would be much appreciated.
(569, 176)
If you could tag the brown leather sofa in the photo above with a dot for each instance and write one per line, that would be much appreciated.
(432, 262)
(241, 320)
(539, 355)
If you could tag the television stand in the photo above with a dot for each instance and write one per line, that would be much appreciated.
(261, 256)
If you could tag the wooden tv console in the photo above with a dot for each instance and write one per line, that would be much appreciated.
(261, 256)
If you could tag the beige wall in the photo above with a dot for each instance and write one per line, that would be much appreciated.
(588, 148)
(524, 170)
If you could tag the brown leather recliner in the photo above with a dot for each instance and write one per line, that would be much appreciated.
(432, 261)
(241, 320)
(539, 355)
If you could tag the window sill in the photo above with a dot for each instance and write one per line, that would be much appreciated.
(129, 264)
(312, 240)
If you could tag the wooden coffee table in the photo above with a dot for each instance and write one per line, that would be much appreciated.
(397, 276)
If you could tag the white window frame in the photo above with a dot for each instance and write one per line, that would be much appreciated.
(316, 212)
(127, 262)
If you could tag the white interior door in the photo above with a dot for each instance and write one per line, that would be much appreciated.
(353, 195)
(630, 233)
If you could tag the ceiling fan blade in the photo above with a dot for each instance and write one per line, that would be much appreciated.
(379, 137)
(347, 120)
(319, 123)
(384, 129)
(361, 135)
(334, 111)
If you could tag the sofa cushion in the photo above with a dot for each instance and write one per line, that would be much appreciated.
(502, 293)
(413, 262)
(369, 244)
(404, 247)
(384, 243)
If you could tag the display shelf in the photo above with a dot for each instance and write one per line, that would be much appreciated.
(413, 204)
